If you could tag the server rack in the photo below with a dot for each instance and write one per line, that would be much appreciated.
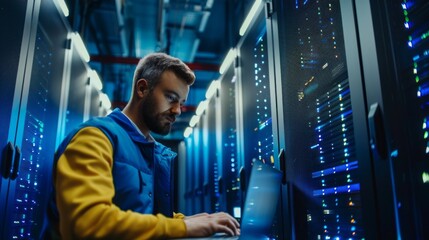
(395, 61)
(95, 101)
(213, 165)
(254, 102)
(205, 169)
(203, 163)
(188, 177)
(204, 166)
(256, 106)
(327, 156)
(181, 178)
(197, 190)
(219, 190)
(230, 181)
(74, 91)
(245, 127)
(350, 115)
(45, 95)
(37, 51)
(352, 77)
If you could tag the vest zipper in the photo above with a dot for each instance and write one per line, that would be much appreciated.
(141, 182)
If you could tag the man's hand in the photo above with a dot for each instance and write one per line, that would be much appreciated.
(204, 224)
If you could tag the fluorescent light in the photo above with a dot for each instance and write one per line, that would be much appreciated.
(187, 132)
(214, 86)
(63, 7)
(201, 107)
(194, 120)
(105, 102)
(209, 4)
(204, 21)
(195, 47)
(80, 46)
(227, 61)
(95, 80)
(249, 17)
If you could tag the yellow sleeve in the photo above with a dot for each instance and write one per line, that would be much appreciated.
(84, 192)
(178, 215)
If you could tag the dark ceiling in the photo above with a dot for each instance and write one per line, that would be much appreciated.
(119, 32)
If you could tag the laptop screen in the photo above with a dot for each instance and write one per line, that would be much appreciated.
(261, 201)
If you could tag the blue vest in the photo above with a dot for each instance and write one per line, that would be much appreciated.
(142, 171)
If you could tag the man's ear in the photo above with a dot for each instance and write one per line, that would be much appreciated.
(142, 87)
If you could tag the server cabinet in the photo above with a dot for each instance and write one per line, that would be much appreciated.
(36, 44)
(395, 62)
(194, 197)
(339, 187)
(75, 91)
(182, 178)
(230, 181)
(188, 177)
(205, 167)
(10, 45)
(94, 101)
(195, 168)
(255, 100)
(205, 161)
(208, 162)
(81, 90)
(213, 164)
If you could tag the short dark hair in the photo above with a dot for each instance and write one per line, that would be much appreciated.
(153, 65)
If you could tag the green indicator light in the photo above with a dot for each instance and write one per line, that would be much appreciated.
(425, 177)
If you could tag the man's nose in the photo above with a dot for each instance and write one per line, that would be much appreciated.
(176, 109)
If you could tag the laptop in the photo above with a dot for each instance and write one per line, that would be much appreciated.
(260, 205)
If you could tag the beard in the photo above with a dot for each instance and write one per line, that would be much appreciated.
(157, 122)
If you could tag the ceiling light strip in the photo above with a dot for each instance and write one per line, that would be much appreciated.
(249, 17)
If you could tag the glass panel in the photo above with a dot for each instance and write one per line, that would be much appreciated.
(257, 122)
(319, 132)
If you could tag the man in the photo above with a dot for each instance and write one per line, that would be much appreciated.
(112, 179)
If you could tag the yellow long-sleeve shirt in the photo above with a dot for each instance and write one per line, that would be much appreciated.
(84, 191)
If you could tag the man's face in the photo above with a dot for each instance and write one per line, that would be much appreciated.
(162, 105)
